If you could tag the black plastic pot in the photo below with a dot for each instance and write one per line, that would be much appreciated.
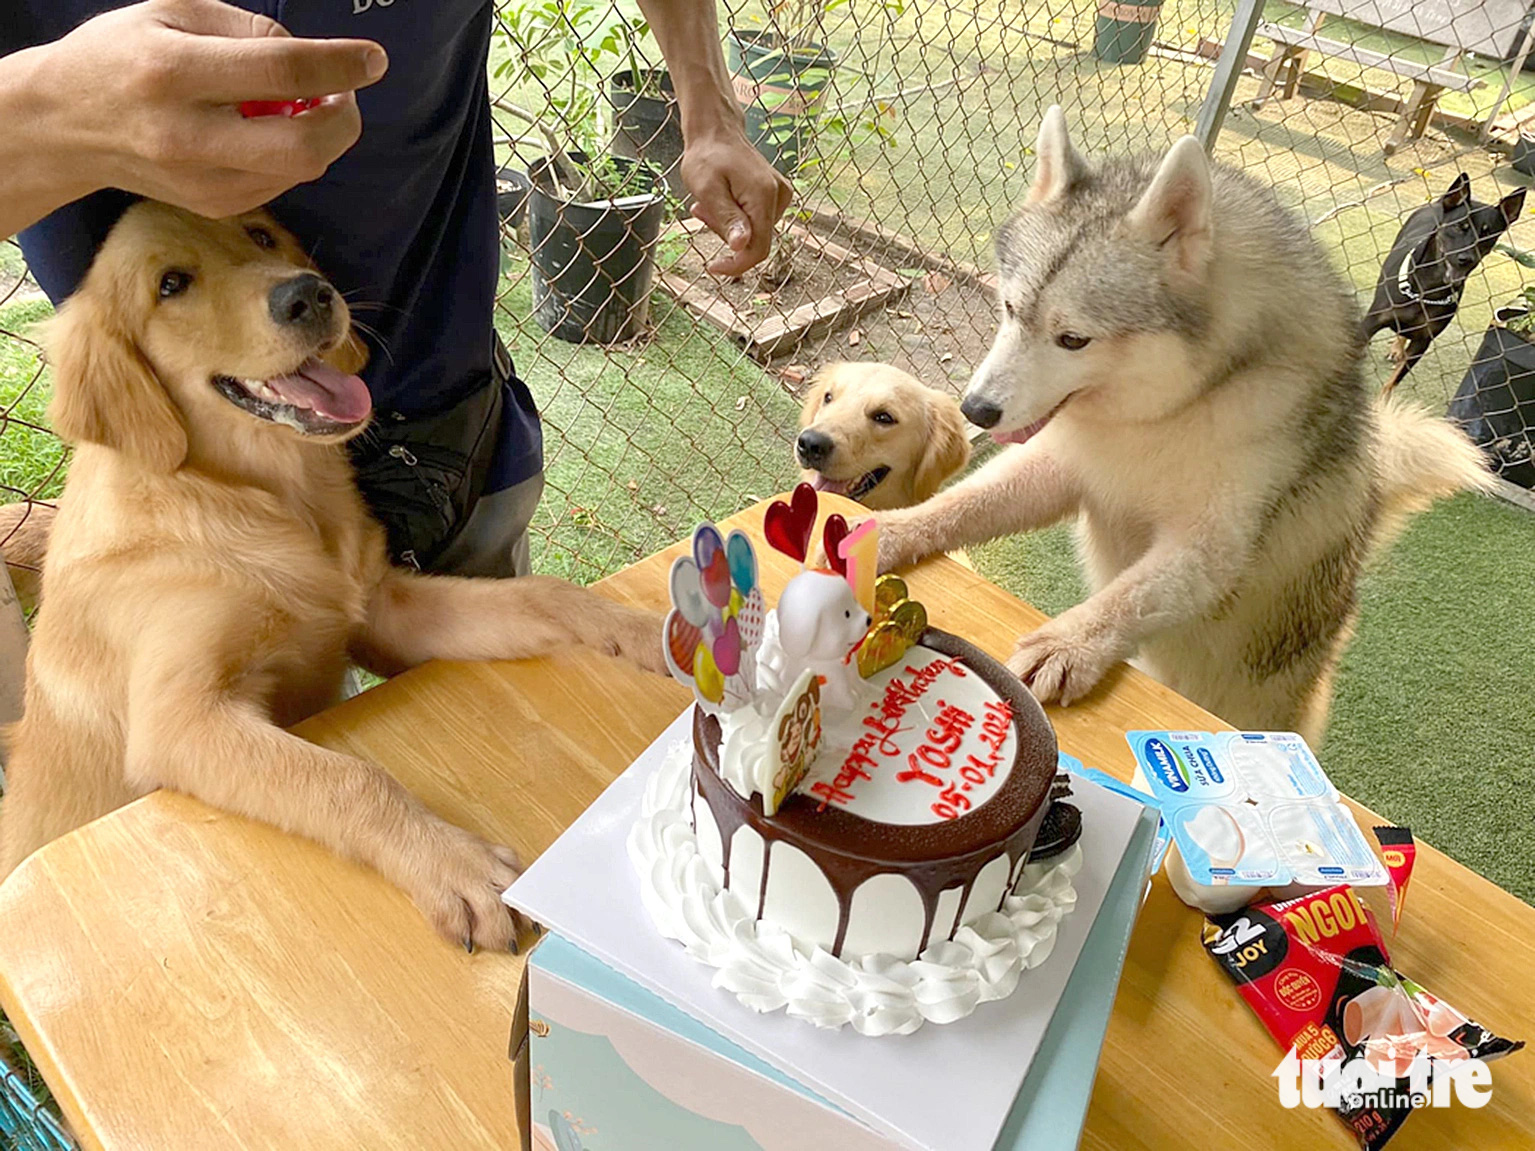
(1495, 404)
(1524, 155)
(649, 126)
(782, 89)
(512, 188)
(593, 263)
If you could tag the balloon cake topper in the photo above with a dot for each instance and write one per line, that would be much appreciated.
(841, 624)
(715, 626)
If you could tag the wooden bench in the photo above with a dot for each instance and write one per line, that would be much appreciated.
(1489, 27)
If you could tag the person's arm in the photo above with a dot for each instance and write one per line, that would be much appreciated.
(146, 99)
(736, 192)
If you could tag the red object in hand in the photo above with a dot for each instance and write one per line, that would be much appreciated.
(252, 108)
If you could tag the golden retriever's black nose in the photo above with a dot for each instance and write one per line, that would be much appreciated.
(303, 302)
(813, 448)
(981, 412)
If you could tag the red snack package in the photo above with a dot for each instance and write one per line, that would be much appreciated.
(1315, 970)
(251, 109)
(1399, 853)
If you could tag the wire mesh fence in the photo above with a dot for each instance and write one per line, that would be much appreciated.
(906, 126)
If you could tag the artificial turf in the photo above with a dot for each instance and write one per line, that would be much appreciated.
(1433, 722)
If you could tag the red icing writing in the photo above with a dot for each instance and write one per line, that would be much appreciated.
(952, 801)
(936, 757)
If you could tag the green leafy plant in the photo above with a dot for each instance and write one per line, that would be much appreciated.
(1523, 325)
(565, 50)
(797, 24)
(794, 77)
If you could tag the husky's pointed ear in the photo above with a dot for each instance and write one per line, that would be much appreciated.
(1511, 205)
(1457, 193)
(1057, 166)
(105, 392)
(1175, 212)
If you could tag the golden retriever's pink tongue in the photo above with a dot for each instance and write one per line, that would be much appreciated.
(326, 392)
(834, 487)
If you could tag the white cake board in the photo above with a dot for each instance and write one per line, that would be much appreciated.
(944, 1088)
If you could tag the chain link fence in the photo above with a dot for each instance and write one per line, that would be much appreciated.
(906, 126)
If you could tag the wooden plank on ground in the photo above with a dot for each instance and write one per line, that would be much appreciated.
(762, 339)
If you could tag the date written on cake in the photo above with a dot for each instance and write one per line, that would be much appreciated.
(941, 731)
(934, 761)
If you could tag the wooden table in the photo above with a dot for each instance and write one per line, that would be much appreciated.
(187, 979)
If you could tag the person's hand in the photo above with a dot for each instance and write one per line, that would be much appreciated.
(146, 99)
(737, 193)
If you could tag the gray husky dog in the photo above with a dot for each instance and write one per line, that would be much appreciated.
(1178, 367)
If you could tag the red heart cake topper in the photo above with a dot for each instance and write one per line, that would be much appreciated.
(832, 536)
(788, 525)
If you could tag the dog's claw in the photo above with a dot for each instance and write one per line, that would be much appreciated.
(459, 884)
(1061, 665)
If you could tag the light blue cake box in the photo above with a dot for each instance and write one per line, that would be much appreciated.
(1047, 1115)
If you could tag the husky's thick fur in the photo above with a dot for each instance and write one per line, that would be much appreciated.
(1179, 367)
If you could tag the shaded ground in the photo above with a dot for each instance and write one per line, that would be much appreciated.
(938, 331)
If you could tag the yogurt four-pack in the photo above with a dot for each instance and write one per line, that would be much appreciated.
(1249, 811)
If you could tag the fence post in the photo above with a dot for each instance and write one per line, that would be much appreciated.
(1233, 58)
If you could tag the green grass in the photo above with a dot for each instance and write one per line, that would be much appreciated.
(29, 459)
(1434, 714)
(642, 442)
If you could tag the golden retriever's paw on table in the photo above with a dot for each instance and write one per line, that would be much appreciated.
(900, 543)
(456, 880)
(630, 634)
(1061, 663)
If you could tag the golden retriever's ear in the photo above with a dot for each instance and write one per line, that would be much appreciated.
(947, 450)
(350, 355)
(105, 392)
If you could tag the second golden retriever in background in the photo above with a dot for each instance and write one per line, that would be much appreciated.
(875, 434)
(212, 569)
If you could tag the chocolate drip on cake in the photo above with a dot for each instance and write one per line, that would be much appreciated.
(933, 857)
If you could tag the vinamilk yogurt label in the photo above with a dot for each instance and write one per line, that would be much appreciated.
(933, 743)
(1252, 808)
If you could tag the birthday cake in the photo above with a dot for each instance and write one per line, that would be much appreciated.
(867, 825)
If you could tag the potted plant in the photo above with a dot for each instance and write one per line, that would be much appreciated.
(593, 218)
(1124, 33)
(782, 74)
(646, 120)
(1495, 403)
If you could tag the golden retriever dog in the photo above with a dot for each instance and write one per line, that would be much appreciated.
(877, 435)
(212, 569)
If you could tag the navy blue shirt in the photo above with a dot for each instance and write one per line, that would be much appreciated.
(405, 220)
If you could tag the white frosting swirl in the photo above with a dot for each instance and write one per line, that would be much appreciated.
(746, 740)
(764, 967)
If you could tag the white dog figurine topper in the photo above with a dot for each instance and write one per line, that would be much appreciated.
(820, 625)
